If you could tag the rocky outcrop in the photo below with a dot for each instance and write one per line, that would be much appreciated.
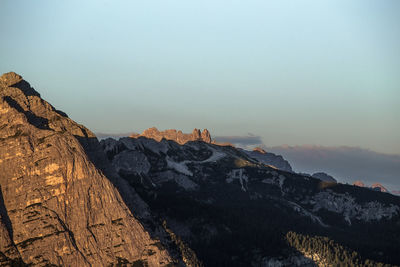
(269, 158)
(174, 135)
(57, 207)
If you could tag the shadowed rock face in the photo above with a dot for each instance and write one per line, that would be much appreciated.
(174, 135)
(269, 158)
(56, 207)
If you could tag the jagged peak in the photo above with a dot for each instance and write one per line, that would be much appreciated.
(174, 135)
(14, 80)
(10, 78)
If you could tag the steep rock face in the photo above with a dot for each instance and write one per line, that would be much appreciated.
(9, 255)
(174, 135)
(270, 159)
(58, 208)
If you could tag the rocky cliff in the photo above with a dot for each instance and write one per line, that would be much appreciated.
(269, 158)
(174, 135)
(56, 206)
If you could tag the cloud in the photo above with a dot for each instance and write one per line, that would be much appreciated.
(347, 164)
(249, 140)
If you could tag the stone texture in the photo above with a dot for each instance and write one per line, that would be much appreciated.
(56, 206)
(174, 135)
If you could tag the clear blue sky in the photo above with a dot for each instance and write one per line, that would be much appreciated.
(293, 72)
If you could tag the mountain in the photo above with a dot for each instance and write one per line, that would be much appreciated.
(324, 177)
(376, 187)
(346, 164)
(233, 210)
(269, 158)
(68, 200)
(59, 199)
(379, 187)
(359, 183)
(174, 135)
(197, 135)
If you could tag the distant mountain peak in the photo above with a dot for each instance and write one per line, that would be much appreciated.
(176, 136)
(379, 187)
(359, 184)
(324, 177)
(259, 150)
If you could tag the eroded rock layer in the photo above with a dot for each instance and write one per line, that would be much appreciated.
(174, 135)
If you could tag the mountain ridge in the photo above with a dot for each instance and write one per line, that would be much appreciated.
(67, 199)
(59, 208)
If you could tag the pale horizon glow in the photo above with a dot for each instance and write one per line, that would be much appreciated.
(291, 72)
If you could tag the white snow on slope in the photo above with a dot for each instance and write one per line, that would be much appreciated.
(182, 167)
(278, 180)
(346, 205)
(217, 155)
(179, 166)
(305, 212)
(238, 174)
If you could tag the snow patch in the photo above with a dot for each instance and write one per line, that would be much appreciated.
(238, 174)
(305, 212)
(217, 155)
(179, 166)
(346, 205)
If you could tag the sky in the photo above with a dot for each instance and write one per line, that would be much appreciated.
(292, 72)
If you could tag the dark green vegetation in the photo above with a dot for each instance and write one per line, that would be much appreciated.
(328, 251)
